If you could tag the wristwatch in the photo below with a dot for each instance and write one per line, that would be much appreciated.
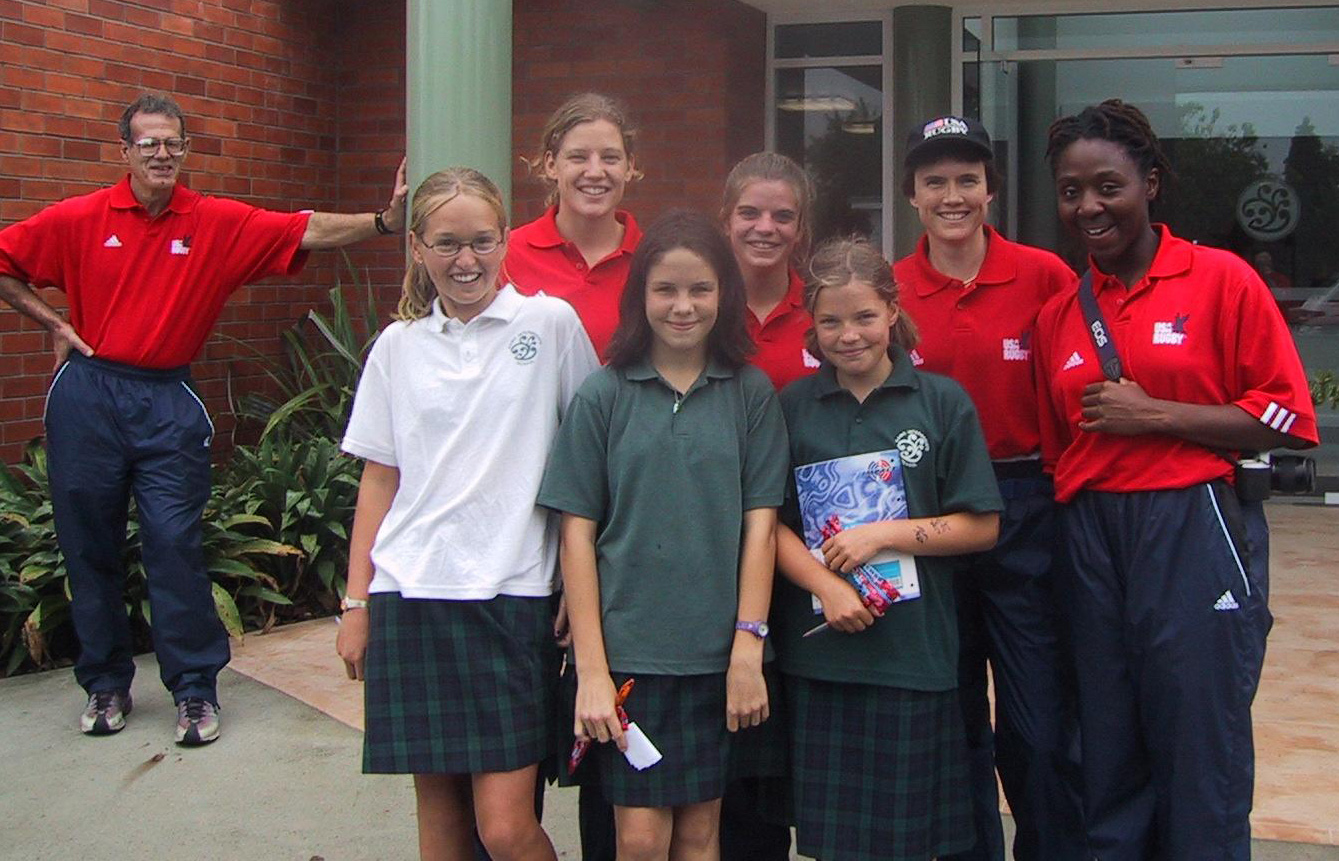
(352, 604)
(757, 629)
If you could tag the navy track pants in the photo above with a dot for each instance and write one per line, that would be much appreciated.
(1170, 617)
(1008, 616)
(112, 431)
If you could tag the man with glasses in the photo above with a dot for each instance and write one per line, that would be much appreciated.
(146, 266)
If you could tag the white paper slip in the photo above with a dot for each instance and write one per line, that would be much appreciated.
(641, 754)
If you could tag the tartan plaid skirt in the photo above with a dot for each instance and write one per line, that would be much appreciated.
(458, 687)
(877, 772)
(684, 717)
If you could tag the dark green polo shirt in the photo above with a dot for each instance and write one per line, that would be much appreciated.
(668, 486)
(932, 424)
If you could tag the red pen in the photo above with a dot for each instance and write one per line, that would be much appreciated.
(581, 746)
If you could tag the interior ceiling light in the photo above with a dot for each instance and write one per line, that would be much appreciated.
(815, 103)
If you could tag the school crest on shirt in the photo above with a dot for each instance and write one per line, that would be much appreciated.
(1018, 349)
(912, 445)
(524, 347)
(1171, 332)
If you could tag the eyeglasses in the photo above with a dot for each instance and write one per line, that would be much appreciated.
(148, 147)
(448, 248)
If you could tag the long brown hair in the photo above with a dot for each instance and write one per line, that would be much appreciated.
(729, 342)
(582, 108)
(417, 293)
(838, 262)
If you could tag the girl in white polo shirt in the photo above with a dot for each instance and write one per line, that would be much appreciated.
(449, 614)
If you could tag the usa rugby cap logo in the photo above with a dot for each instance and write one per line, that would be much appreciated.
(944, 126)
(926, 140)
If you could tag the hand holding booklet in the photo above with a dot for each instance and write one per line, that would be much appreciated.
(853, 491)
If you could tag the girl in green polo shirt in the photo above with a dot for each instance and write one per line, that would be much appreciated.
(668, 469)
(879, 767)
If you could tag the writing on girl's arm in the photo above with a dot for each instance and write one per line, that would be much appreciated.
(746, 692)
(944, 535)
(596, 718)
(842, 607)
(376, 489)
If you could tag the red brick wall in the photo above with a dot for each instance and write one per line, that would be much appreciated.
(299, 103)
(691, 72)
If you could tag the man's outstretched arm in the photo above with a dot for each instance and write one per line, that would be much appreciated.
(336, 229)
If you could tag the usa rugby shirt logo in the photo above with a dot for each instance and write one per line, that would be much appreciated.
(1018, 349)
(1171, 332)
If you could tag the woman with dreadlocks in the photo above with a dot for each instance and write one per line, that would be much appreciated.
(1168, 598)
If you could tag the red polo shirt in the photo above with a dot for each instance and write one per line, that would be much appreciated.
(781, 353)
(981, 334)
(539, 260)
(1200, 328)
(146, 291)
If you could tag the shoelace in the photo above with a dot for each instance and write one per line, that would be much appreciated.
(103, 700)
(195, 709)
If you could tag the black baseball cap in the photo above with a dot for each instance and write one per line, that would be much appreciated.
(929, 137)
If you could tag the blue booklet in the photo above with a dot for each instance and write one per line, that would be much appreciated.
(852, 491)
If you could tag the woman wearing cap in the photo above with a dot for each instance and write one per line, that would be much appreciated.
(975, 297)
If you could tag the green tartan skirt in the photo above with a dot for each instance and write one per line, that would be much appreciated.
(684, 717)
(458, 687)
(877, 772)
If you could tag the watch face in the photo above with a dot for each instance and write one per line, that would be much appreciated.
(763, 630)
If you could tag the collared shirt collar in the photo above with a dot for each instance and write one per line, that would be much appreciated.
(504, 307)
(182, 202)
(791, 302)
(902, 377)
(544, 232)
(642, 369)
(999, 267)
(1173, 257)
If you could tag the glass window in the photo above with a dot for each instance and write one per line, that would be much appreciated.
(971, 35)
(830, 120)
(1238, 27)
(842, 39)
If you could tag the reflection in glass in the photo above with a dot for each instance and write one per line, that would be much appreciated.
(830, 120)
(1238, 27)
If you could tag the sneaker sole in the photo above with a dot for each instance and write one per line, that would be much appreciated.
(191, 738)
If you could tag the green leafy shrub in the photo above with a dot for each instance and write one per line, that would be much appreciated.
(1324, 390)
(305, 491)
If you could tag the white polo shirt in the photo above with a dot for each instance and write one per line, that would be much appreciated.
(467, 413)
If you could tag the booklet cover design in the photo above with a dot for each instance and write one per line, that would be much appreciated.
(852, 491)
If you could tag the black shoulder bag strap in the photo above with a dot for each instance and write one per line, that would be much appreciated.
(1097, 329)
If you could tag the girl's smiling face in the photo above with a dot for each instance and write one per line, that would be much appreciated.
(467, 280)
(853, 327)
(591, 169)
(951, 197)
(682, 300)
(764, 225)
